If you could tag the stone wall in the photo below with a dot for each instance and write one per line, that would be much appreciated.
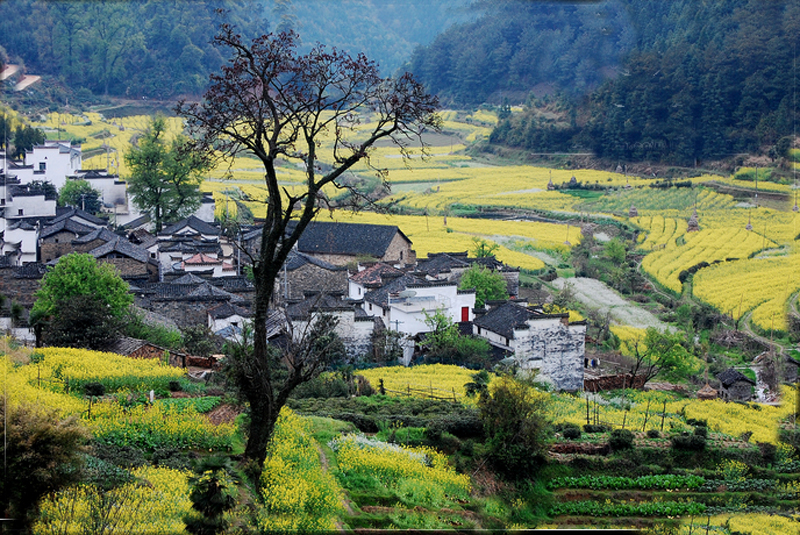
(312, 278)
(185, 312)
(556, 350)
(56, 246)
(129, 268)
(18, 288)
(400, 250)
(613, 382)
(739, 391)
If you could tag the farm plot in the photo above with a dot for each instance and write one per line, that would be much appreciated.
(661, 231)
(763, 285)
(656, 200)
(707, 246)
(597, 295)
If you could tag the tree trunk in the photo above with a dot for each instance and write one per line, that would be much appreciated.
(263, 416)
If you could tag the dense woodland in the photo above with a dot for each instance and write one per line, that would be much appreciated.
(699, 81)
(154, 49)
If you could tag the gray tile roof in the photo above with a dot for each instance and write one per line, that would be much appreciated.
(97, 234)
(380, 296)
(502, 319)
(189, 278)
(319, 302)
(65, 225)
(348, 239)
(226, 310)
(73, 213)
(297, 260)
(731, 376)
(123, 247)
(193, 222)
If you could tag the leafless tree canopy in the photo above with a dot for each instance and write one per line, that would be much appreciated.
(271, 102)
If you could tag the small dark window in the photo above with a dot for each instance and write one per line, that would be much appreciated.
(42, 166)
(20, 212)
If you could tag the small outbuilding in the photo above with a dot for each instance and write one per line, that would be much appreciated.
(735, 386)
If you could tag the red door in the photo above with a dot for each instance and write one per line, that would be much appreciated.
(464, 313)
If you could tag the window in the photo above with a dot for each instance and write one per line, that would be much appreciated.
(20, 212)
(42, 166)
(2, 202)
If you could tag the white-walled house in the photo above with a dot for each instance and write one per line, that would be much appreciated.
(548, 343)
(403, 302)
(54, 161)
(227, 320)
(19, 242)
(353, 326)
(113, 190)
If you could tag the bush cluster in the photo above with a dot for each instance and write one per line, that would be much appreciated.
(620, 439)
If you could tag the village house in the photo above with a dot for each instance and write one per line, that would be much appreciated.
(353, 326)
(113, 190)
(344, 243)
(735, 386)
(52, 162)
(403, 301)
(451, 266)
(227, 320)
(303, 273)
(548, 343)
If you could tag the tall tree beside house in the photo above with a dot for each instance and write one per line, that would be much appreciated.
(165, 176)
(78, 301)
(488, 284)
(80, 194)
(274, 104)
(25, 138)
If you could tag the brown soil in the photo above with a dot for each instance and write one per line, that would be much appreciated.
(224, 414)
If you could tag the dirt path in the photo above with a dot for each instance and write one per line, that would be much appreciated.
(597, 295)
(323, 459)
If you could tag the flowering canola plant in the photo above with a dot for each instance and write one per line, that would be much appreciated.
(157, 426)
(419, 474)
(442, 380)
(153, 503)
(72, 368)
(299, 495)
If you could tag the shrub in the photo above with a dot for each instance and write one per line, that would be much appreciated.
(572, 433)
(701, 432)
(94, 389)
(591, 428)
(653, 433)
(697, 423)
(687, 442)
(620, 439)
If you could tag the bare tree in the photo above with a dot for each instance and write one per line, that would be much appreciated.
(273, 103)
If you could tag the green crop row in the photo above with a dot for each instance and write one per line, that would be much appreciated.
(662, 482)
(654, 508)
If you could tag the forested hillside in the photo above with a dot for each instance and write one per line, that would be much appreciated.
(131, 49)
(517, 47)
(155, 49)
(662, 81)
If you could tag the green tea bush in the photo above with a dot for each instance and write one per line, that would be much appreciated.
(620, 439)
